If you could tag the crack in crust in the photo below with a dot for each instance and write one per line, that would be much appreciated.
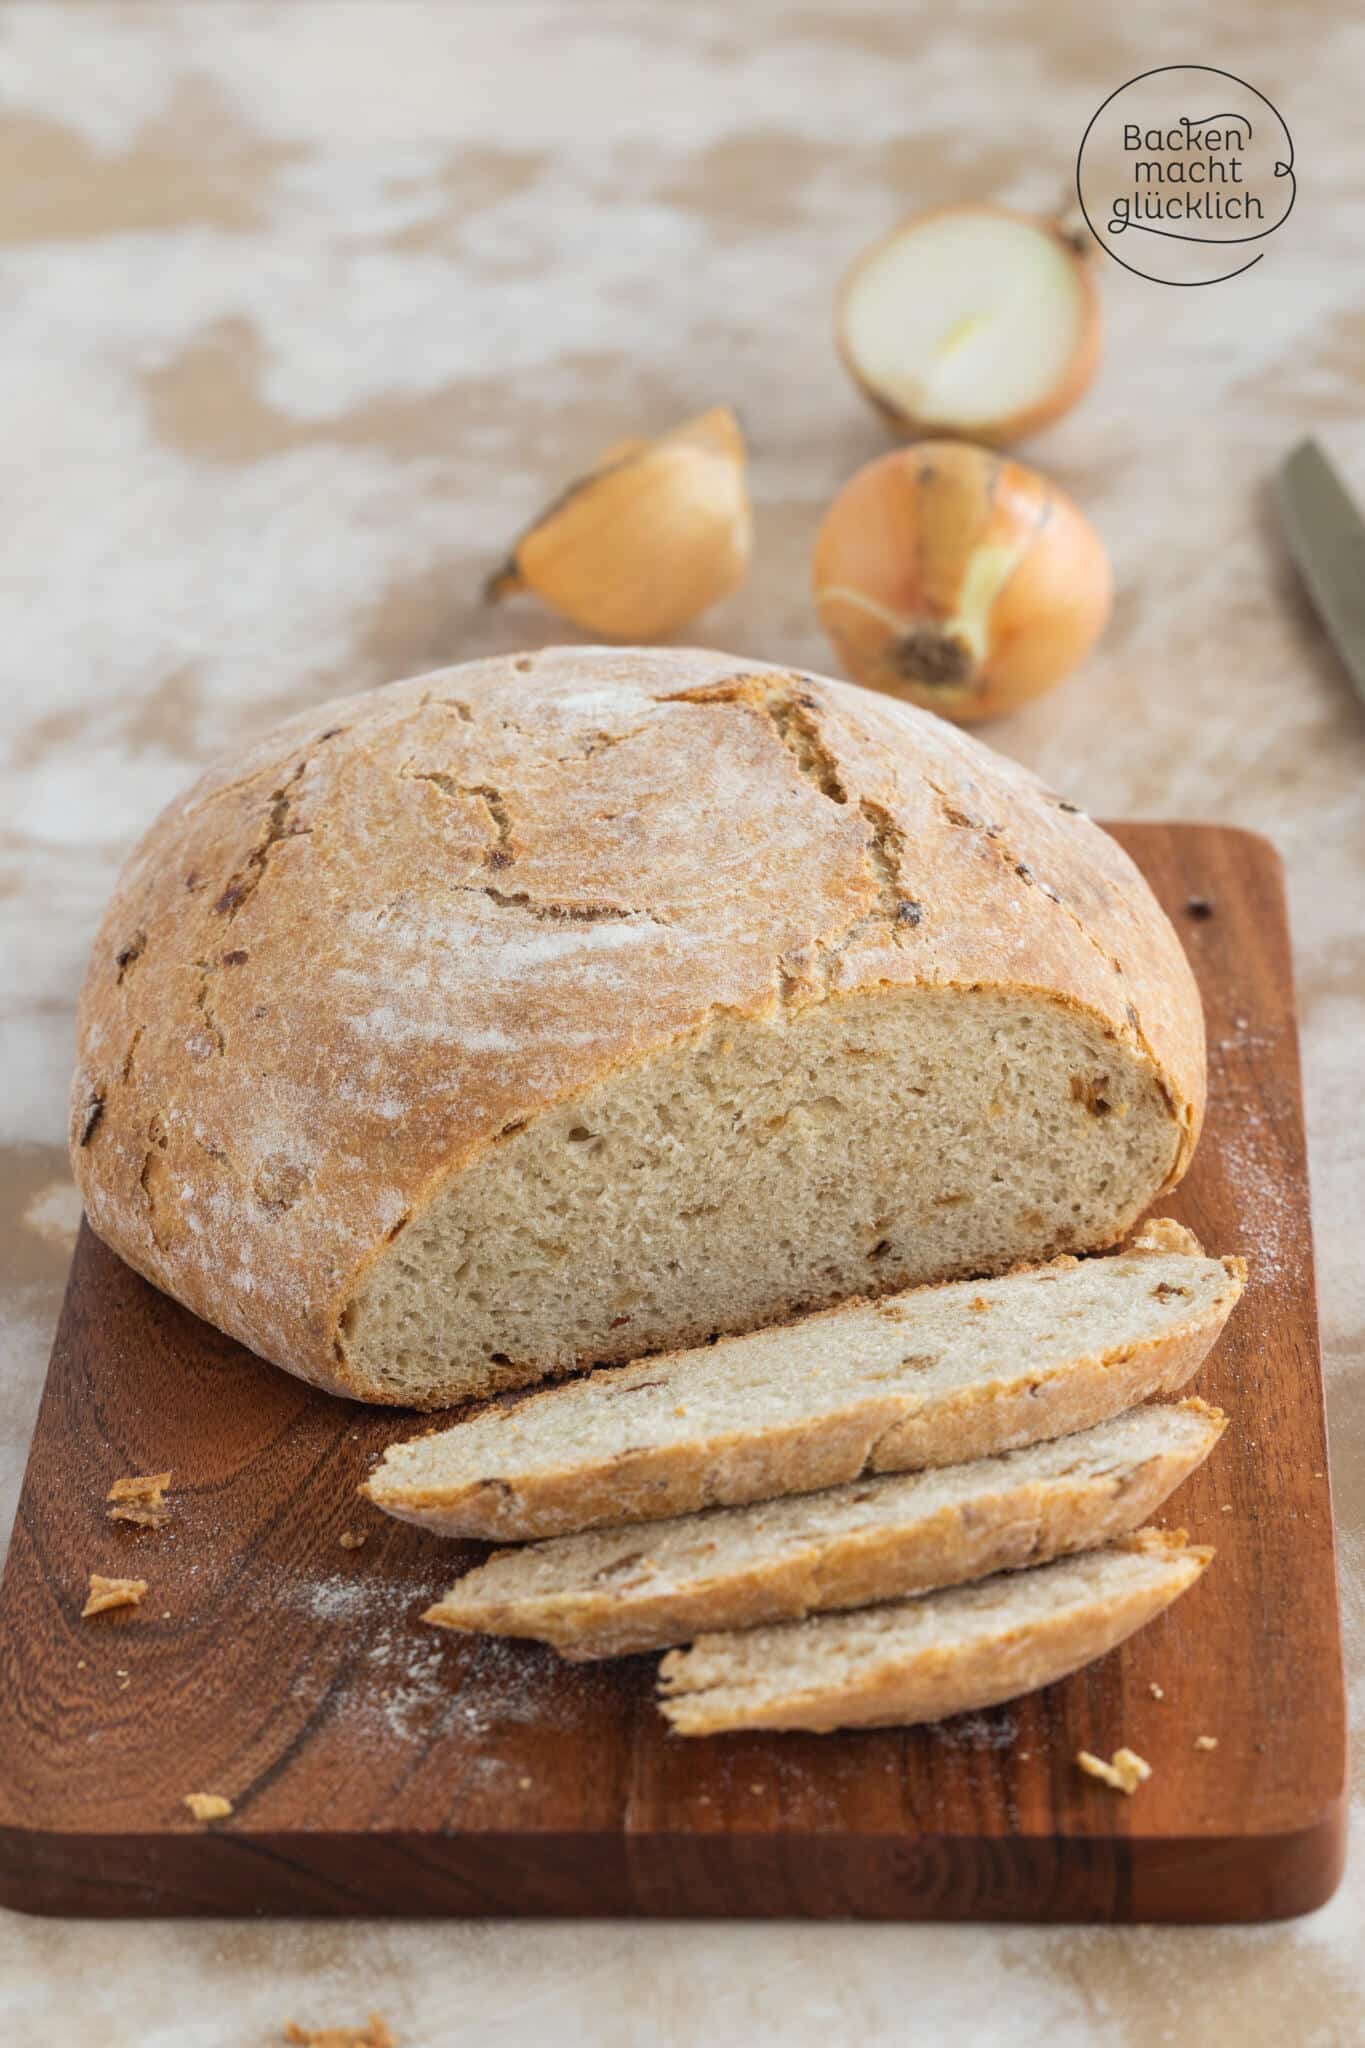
(794, 721)
(240, 888)
(599, 742)
(792, 712)
(126, 1070)
(247, 879)
(994, 834)
(157, 1134)
(204, 1006)
(885, 847)
(128, 955)
(500, 853)
(566, 913)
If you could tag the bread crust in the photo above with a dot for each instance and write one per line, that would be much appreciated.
(340, 968)
(887, 1433)
(1007, 1524)
(933, 1682)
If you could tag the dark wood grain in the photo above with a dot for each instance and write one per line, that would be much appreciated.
(378, 1767)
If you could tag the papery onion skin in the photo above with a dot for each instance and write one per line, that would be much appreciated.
(993, 432)
(656, 533)
(956, 579)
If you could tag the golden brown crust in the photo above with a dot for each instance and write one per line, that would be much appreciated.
(875, 1435)
(937, 1681)
(307, 1005)
(1009, 1524)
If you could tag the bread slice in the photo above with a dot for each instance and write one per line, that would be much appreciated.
(934, 1376)
(652, 1584)
(945, 1653)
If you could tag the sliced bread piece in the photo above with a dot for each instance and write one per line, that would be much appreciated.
(945, 1653)
(934, 1376)
(607, 1594)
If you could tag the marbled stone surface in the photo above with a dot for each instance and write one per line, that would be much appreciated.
(305, 309)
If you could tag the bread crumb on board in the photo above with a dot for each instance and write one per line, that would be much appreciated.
(105, 1593)
(208, 1805)
(140, 1498)
(1158, 1692)
(1206, 1742)
(349, 1540)
(374, 2034)
(1127, 1771)
(1164, 1234)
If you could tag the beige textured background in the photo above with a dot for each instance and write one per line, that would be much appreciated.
(302, 309)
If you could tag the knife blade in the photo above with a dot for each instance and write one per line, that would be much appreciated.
(1326, 538)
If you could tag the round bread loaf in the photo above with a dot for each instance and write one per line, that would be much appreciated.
(569, 1006)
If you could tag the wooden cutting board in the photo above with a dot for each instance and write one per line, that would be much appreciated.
(379, 1766)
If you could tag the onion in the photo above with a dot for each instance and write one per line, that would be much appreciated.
(971, 321)
(955, 578)
(657, 532)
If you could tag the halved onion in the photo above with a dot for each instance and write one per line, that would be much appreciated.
(973, 321)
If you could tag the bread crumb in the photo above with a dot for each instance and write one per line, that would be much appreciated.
(208, 1805)
(1206, 1742)
(1158, 1692)
(105, 1593)
(525, 1784)
(1164, 1234)
(349, 1540)
(375, 2034)
(140, 1498)
(1127, 1771)
(1227, 1508)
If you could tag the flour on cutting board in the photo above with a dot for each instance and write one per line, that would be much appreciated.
(412, 1682)
(1242, 1134)
(1262, 1201)
(977, 1731)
